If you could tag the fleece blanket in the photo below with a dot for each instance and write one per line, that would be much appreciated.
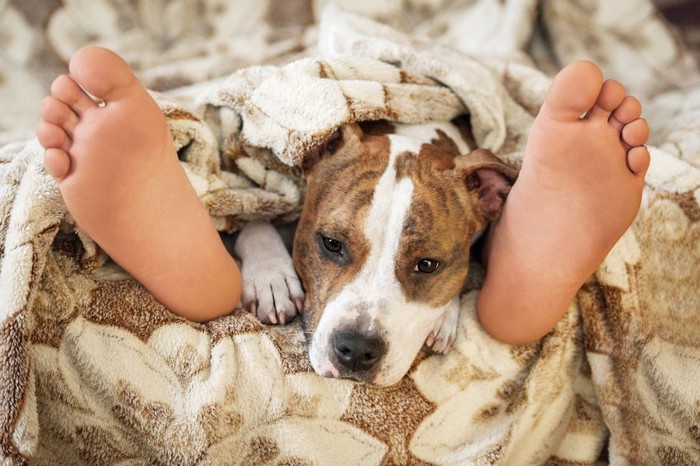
(95, 371)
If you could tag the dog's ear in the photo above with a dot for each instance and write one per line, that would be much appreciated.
(343, 136)
(489, 178)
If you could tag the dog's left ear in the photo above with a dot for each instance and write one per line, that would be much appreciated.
(489, 178)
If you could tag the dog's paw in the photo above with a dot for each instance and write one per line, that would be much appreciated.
(272, 291)
(271, 288)
(442, 336)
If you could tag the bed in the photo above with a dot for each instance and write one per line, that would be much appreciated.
(96, 371)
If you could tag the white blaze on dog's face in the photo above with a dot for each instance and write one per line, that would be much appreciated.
(382, 248)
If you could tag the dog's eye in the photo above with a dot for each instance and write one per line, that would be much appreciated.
(426, 265)
(333, 249)
(332, 245)
(333, 143)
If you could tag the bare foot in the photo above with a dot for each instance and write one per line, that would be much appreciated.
(120, 178)
(579, 190)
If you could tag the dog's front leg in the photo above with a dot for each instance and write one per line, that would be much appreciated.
(443, 334)
(271, 287)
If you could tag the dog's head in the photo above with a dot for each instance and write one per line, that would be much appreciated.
(382, 245)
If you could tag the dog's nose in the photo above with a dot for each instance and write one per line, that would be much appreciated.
(357, 352)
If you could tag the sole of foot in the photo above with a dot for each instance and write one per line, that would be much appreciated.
(108, 146)
(578, 191)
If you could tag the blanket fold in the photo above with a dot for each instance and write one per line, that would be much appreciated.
(98, 372)
(371, 72)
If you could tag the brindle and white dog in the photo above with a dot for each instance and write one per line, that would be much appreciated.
(382, 246)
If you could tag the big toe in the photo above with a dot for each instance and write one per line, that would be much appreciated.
(574, 91)
(101, 72)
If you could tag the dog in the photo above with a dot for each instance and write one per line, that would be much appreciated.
(382, 246)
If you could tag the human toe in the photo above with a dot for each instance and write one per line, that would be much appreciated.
(629, 110)
(574, 91)
(101, 72)
(636, 133)
(58, 113)
(56, 163)
(65, 89)
(52, 136)
(611, 95)
(638, 160)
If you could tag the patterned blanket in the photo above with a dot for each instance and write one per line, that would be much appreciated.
(95, 371)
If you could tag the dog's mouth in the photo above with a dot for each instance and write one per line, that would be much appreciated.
(369, 377)
(365, 377)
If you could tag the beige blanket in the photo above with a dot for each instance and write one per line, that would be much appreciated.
(95, 371)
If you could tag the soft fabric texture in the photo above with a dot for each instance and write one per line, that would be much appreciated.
(95, 371)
